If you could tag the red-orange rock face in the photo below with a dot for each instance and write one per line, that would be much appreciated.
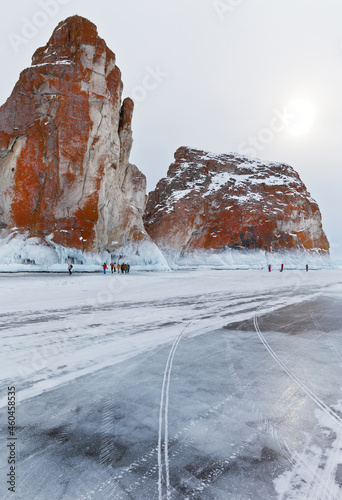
(65, 140)
(213, 202)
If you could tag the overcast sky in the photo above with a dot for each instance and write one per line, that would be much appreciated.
(260, 77)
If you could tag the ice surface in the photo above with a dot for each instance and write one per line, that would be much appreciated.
(159, 385)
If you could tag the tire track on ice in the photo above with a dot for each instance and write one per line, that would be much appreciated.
(108, 485)
(327, 341)
(318, 478)
(321, 488)
(166, 383)
(311, 475)
(297, 381)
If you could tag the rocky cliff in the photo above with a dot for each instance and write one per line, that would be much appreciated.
(65, 141)
(215, 202)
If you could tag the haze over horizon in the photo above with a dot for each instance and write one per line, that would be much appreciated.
(222, 76)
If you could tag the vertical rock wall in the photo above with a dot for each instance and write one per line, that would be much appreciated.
(65, 141)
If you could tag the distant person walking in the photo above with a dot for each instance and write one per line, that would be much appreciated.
(122, 268)
(269, 268)
(105, 267)
(70, 266)
(282, 268)
(307, 267)
(128, 268)
(118, 267)
(112, 267)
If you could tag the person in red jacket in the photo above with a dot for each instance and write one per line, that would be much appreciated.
(105, 267)
(112, 267)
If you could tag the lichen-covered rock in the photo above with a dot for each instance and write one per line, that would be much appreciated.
(215, 202)
(65, 141)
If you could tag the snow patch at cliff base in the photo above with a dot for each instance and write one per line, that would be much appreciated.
(19, 252)
(247, 259)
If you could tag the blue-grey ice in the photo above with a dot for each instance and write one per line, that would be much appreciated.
(196, 385)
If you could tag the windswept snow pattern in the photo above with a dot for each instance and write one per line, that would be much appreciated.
(196, 385)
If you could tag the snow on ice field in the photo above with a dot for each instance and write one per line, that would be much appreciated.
(196, 385)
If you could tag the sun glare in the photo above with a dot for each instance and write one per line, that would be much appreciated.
(301, 116)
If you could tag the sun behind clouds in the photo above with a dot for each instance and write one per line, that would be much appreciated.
(301, 117)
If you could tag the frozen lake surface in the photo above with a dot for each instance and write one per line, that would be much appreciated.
(196, 385)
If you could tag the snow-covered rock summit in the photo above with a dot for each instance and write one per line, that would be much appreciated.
(215, 202)
(65, 141)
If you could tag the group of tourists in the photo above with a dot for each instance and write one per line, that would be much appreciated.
(282, 268)
(124, 268)
(270, 268)
(116, 267)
